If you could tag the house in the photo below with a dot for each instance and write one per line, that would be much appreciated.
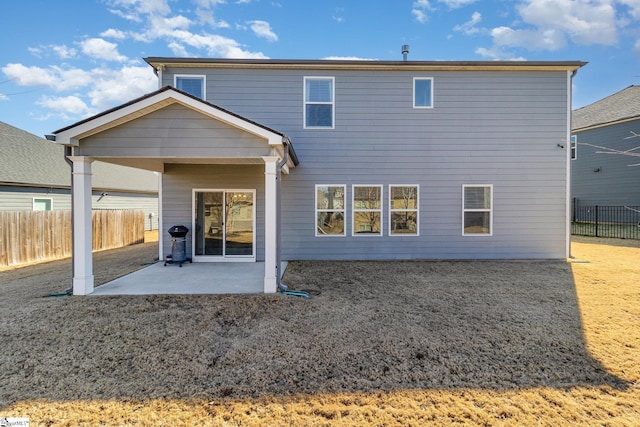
(606, 149)
(393, 160)
(34, 175)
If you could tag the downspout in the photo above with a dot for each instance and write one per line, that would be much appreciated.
(568, 201)
(285, 144)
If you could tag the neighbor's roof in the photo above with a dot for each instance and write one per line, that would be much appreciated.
(28, 160)
(158, 62)
(619, 107)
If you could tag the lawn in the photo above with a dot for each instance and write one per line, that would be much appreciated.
(403, 343)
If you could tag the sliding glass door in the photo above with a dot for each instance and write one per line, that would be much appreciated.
(224, 224)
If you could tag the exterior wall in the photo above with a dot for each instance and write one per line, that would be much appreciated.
(500, 128)
(615, 183)
(178, 183)
(21, 199)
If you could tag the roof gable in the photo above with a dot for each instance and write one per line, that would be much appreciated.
(154, 101)
(621, 106)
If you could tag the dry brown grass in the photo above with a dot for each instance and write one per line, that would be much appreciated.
(410, 343)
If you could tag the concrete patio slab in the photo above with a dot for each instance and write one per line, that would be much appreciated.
(196, 278)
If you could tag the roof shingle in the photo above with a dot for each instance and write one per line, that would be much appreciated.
(622, 105)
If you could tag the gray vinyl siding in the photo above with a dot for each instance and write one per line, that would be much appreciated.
(616, 183)
(501, 128)
(174, 131)
(21, 199)
(179, 181)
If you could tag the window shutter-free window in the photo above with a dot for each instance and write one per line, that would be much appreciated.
(423, 92)
(403, 210)
(477, 210)
(193, 85)
(318, 102)
(367, 210)
(330, 210)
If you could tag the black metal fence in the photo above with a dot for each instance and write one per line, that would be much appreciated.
(621, 222)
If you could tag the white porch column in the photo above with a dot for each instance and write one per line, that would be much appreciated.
(82, 227)
(270, 225)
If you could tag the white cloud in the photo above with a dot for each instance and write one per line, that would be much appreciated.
(111, 87)
(634, 7)
(142, 7)
(101, 49)
(469, 27)
(208, 4)
(549, 39)
(583, 21)
(114, 34)
(263, 29)
(178, 49)
(495, 53)
(555, 24)
(63, 52)
(454, 4)
(419, 11)
(175, 30)
(64, 104)
(106, 86)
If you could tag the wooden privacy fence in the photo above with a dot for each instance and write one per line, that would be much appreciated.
(35, 236)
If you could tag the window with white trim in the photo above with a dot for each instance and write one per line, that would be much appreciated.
(193, 85)
(367, 210)
(477, 210)
(42, 204)
(403, 210)
(319, 111)
(330, 210)
(423, 92)
(574, 147)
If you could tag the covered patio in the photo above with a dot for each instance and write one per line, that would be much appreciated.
(219, 174)
(198, 278)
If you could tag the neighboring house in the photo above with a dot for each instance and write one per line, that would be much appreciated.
(605, 166)
(393, 159)
(34, 175)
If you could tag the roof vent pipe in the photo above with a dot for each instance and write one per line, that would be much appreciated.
(405, 51)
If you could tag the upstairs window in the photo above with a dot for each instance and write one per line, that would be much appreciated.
(318, 102)
(574, 147)
(423, 92)
(193, 85)
(477, 210)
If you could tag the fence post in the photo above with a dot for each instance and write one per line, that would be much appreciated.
(596, 220)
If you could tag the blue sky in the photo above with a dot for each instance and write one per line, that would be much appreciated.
(63, 61)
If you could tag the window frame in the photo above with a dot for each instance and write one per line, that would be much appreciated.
(332, 102)
(33, 203)
(201, 77)
(354, 210)
(573, 146)
(416, 210)
(423, 107)
(489, 210)
(343, 210)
